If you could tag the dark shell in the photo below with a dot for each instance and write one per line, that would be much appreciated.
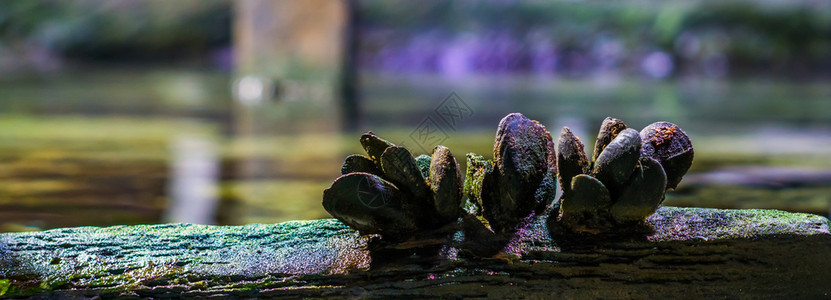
(610, 128)
(374, 146)
(359, 163)
(522, 147)
(368, 203)
(628, 178)
(547, 191)
(615, 164)
(671, 147)
(521, 162)
(571, 159)
(477, 167)
(552, 154)
(589, 195)
(496, 208)
(446, 183)
(400, 168)
(644, 192)
(423, 164)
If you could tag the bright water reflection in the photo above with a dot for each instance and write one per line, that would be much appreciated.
(193, 181)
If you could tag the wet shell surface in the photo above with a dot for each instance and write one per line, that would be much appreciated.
(671, 147)
(400, 168)
(359, 163)
(571, 159)
(515, 188)
(393, 194)
(590, 196)
(643, 194)
(446, 182)
(368, 203)
(617, 160)
(374, 146)
(609, 129)
(628, 178)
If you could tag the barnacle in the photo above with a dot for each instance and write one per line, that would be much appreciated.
(393, 194)
(627, 178)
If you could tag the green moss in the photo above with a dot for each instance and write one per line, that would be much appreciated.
(423, 164)
(4, 286)
(679, 223)
(477, 167)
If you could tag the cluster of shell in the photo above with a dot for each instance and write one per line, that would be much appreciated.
(627, 177)
(388, 192)
(393, 194)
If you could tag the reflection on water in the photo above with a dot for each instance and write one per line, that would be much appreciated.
(149, 157)
(73, 171)
(193, 181)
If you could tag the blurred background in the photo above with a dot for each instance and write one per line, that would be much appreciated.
(234, 112)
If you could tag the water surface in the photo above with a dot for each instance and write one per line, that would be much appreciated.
(128, 147)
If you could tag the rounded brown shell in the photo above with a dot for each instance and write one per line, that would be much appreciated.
(671, 147)
(609, 129)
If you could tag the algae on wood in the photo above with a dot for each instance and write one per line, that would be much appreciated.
(692, 253)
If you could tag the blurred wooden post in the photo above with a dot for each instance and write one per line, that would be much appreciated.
(350, 106)
(288, 87)
(296, 49)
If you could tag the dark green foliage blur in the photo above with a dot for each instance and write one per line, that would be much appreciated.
(116, 30)
(766, 37)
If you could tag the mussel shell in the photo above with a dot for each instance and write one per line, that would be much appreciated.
(496, 207)
(399, 167)
(368, 203)
(676, 167)
(525, 143)
(609, 129)
(477, 167)
(615, 164)
(374, 146)
(423, 164)
(571, 159)
(671, 147)
(589, 196)
(551, 158)
(359, 163)
(642, 195)
(521, 161)
(546, 193)
(446, 181)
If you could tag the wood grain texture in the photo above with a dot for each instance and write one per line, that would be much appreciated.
(692, 252)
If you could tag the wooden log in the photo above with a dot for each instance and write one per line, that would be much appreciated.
(692, 253)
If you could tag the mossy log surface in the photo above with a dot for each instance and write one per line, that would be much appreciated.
(693, 252)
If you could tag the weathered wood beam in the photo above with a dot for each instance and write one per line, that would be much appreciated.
(693, 252)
